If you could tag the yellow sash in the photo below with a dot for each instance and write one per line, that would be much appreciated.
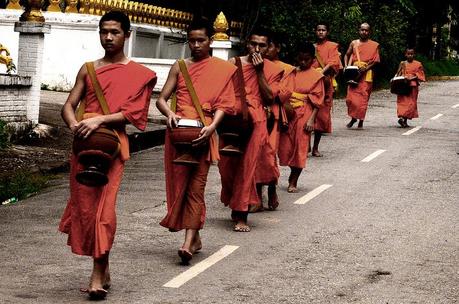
(368, 74)
(297, 99)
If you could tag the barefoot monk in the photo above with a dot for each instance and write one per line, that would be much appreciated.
(363, 53)
(211, 79)
(120, 89)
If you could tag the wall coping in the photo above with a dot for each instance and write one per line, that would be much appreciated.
(15, 80)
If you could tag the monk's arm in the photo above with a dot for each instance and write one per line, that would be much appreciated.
(76, 94)
(265, 90)
(166, 93)
(207, 131)
(347, 56)
(309, 127)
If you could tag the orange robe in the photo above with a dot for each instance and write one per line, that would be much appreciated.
(407, 105)
(89, 218)
(304, 90)
(267, 170)
(358, 96)
(185, 185)
(238, 173)
(328, 52)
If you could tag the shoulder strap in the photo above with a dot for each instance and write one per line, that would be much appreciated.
(319, 59)
(243, 93)
(97, 88)
(191, 90)
(174, 103)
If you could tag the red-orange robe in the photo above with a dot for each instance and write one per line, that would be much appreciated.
(267, 170)
(238, 173)
(407, 105)
(306, 89)
(329, 54)
(358, 96)
(185, 185)
(89, 218)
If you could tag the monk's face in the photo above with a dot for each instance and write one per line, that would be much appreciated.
(112, 36)
(321, 32)
(257, 44)
(364, 31)
(273, 52)
(199, 44)
(305, 60)
(409, 55)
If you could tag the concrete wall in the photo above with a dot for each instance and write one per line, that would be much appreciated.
(74, 39)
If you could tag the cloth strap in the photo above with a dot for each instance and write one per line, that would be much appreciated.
(319, 58)
(98, 90)
(298, 100)
(243, 93)
(191, 90)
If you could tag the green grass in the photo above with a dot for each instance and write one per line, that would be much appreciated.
(442, 67)
(21, 184)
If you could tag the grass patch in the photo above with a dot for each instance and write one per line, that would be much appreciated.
(21, 184)
(444, 67)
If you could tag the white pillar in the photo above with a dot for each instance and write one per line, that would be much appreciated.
(221, 49)
(30, 58)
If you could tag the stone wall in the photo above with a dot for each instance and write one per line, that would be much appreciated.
(14, 91)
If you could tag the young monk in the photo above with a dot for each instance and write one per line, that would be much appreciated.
(89, 218)
(261, 78)
(211, 78)
(267, 172)
(305, 92)
(407, 105)
(327, 62)
(363, 53)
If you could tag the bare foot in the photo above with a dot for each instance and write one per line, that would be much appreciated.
(197, 245)
(316, 153)
(351, 123)
(241, 226)
(185, 255)
(256, 208)
(292, 189)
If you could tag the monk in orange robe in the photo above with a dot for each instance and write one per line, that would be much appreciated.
(305, 93)
(267, 172)
(363, 53)
(327, 62)
(185, 184)
(261, 78)
(89, 218)
(407, 105)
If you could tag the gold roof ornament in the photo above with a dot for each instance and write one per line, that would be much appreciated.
(32, 12)
(220, 27)
(6, 59)
(14, 4)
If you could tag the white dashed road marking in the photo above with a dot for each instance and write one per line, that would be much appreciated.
(372, 156)
(200, 267)
(412, 130)
(436, 116)
(309, 196)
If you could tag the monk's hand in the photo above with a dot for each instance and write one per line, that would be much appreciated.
(204, 136)
(257, 61)
(309, 126)
(172, 120)
(85, 127)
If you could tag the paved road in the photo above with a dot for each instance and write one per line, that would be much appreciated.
(386, 231)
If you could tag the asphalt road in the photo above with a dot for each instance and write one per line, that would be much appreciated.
(385, 231)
